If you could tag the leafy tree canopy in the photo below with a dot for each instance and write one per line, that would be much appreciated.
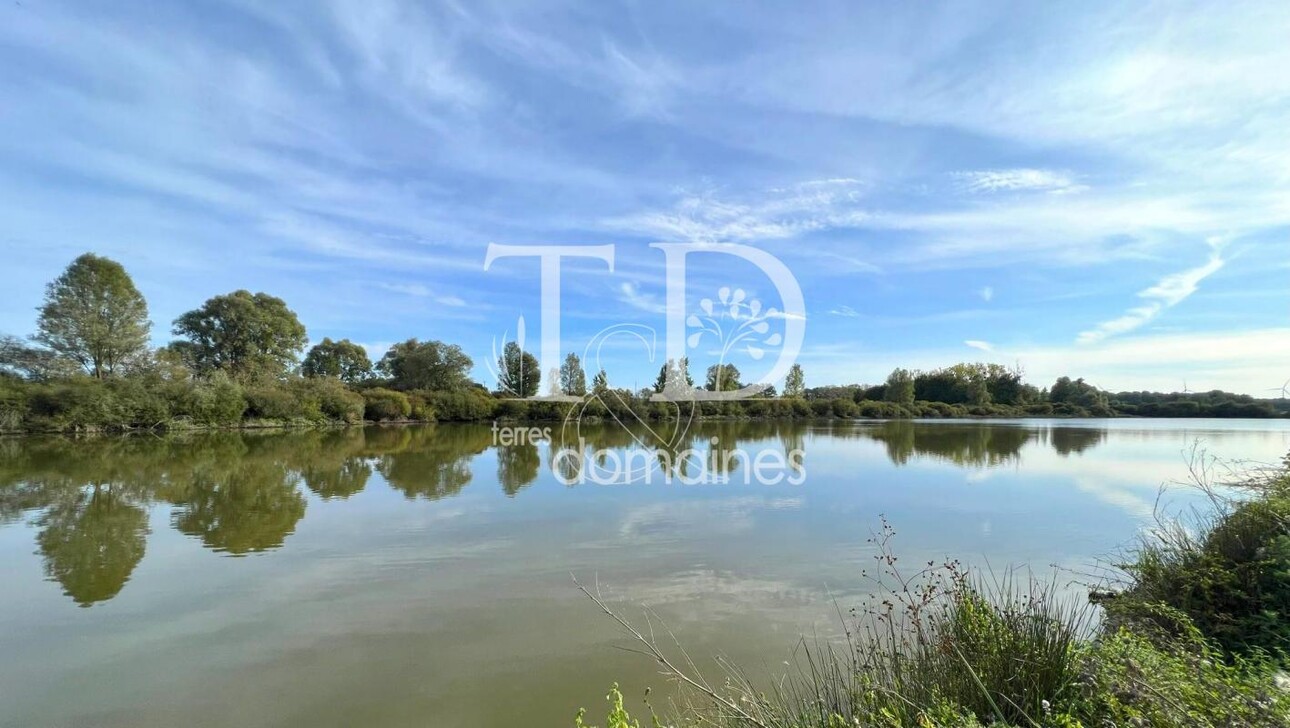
(93, 315)
(723, 378)
(342, 359)
(573, 380)
(518, 373)
(250, 336)
(795, 382)
(432, 365)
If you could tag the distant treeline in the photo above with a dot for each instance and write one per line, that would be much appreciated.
(994, 390)
(239, 360)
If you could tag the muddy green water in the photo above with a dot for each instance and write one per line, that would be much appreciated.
(421, 576)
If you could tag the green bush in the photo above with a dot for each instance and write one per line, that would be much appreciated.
(880, 410)
(422, 410)
(141, 403)
(471, 405)
(214, 401)
(800, 407)
(515, 409)
(277, 403)
(330, 399)
(548, 411)
(845, 408)
(1128, 679)
(385, 404)
(13, 405)
(1232, 580)
(74, 404)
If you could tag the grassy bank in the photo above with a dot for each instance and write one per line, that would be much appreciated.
(1195, 632)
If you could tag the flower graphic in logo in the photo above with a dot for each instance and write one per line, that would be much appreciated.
(747, 329)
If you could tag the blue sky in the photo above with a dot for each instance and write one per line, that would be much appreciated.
(1100, 190)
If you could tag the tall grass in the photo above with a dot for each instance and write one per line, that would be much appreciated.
(1195, 638)
(1227, 569)
(929, 645)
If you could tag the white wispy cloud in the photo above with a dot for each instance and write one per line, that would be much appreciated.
(772, 214)
(1019, 180)
(845, 311)
(977, 344)
(421, 291)
(986, 293)
(1168, 292)
(629, 292)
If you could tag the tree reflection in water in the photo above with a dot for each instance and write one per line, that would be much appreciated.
(240, 493)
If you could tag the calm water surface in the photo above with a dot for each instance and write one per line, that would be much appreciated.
(420, 576)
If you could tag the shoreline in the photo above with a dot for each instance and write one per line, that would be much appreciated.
(259, 425)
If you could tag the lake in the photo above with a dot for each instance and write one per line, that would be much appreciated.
(422, 575)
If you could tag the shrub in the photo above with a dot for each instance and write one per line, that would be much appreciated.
(140, 403)
(276, 403)
(385, 404)
(215, 400)
(422, 410)
(845, 408)
(800, 407)
(468, 406)
(548, 410)
(13, 405)
(512, 408)
(822, 407)
(881, 410)
(330, 399)
(75, 404)
(1128, 679)
(1232, 580)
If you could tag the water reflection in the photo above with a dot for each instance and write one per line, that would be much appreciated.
(91, 543)
(1075, 440)
(427, 462)
(243, 493)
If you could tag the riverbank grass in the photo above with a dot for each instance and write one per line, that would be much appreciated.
(1196, 636)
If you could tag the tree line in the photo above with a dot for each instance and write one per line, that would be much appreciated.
(241, 358)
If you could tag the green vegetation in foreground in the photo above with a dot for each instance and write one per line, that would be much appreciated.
(1197, 637)
(237, 362)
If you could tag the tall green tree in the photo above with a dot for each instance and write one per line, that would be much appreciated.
(518, 372)
(1078, 393)
(795, 382)
(900, 387)
(723, 378)
(342, 359)
(250, 336)
(433, 365)
(674, 376)
(94, 315)
(600, 382)
(573, 380)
